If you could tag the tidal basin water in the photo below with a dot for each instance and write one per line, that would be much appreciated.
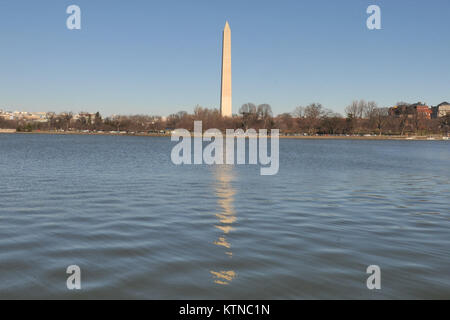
(140, 227)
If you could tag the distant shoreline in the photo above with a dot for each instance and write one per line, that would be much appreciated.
(299, 137)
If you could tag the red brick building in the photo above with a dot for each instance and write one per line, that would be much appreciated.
(423, 111)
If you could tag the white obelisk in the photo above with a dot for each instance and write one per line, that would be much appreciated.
(225, 99)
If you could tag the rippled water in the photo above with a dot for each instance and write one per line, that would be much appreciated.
(140, 227)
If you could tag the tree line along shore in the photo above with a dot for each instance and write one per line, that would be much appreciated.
(363, 120)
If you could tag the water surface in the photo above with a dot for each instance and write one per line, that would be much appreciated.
(140, 227)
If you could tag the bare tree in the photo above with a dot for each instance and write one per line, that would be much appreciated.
(358, 109)
(264, 112)
(380, 118)
(67, 117)
(369, 109)
(402, 122)
(285, 122)
(331, 122)
(313, 113)
(444, 124)
(249, 114)
(248, 108)
(418, 120)
(362, 107)
(298, 112)
(352, 110)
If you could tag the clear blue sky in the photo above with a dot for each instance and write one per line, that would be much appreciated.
(159, 57)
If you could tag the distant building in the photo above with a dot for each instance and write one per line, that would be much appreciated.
(401, 110)
(24, 116)
(411, 110)
(36, 117)
(84, 116)
(422, 110)
(441, 110)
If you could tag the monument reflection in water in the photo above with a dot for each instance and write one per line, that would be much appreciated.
(224, 175)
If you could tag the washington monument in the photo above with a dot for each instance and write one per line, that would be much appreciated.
(225, 99)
